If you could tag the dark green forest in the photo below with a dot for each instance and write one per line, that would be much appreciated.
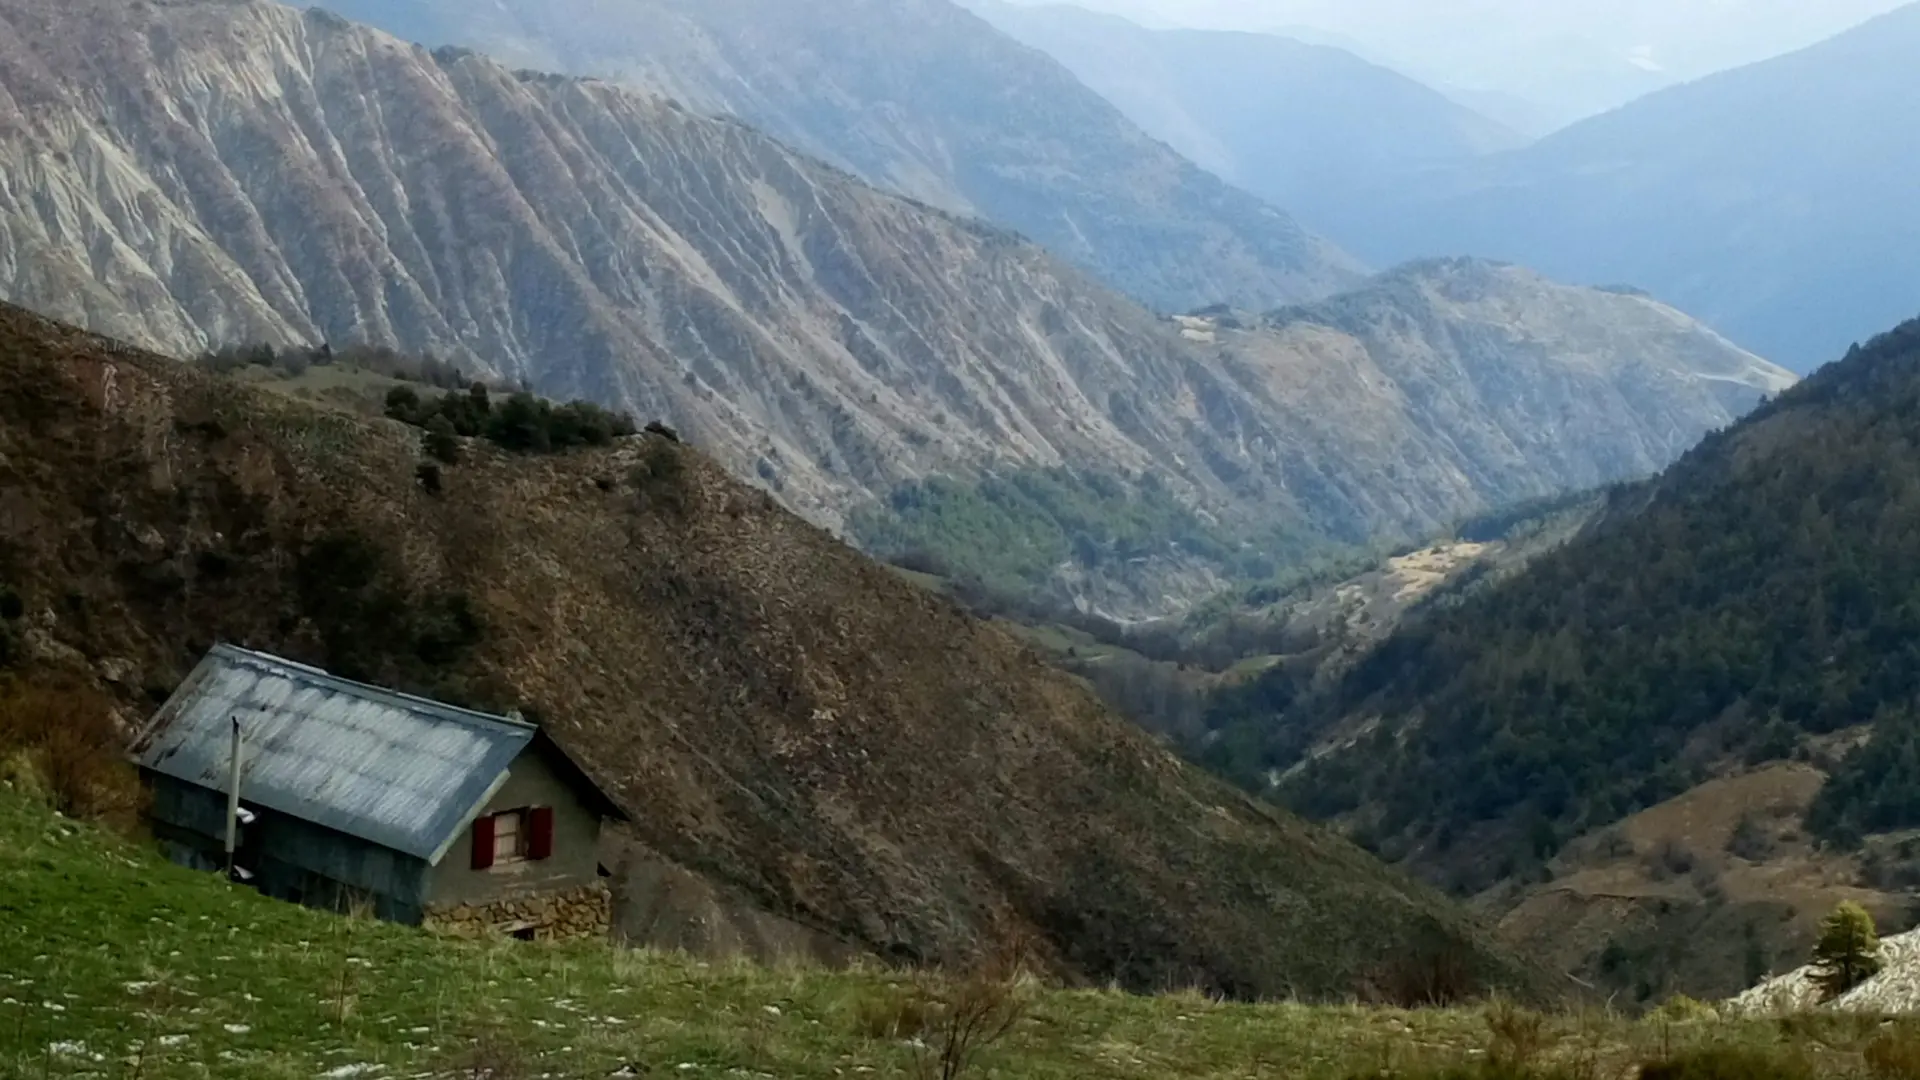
(1765, 589)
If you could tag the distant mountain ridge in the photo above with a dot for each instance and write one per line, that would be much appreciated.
(1769, 201)
(1295, 123)
(200, 173)
(924, 98)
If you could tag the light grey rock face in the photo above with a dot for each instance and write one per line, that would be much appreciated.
(924, 98)
(189, 173)
(1474, 380)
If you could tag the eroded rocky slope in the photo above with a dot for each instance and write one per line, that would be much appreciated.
(203, 171)
(924, 98)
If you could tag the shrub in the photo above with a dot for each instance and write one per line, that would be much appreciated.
(1424, 978)
(661, 477)
(1730, 1063)
(441, 442)
(1894, 1054)
(403, 404)
(1669, 859)
(68, 735)
(1750, 839)
(895, 1018)
(1848, 952)
(972, 1013)
(1517, 1036)
(12, 607)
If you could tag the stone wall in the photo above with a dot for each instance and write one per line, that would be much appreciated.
(585, 911)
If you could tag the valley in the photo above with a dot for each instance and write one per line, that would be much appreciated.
(836, 345)
(952, 539)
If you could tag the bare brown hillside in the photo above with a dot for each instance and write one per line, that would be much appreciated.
(789, 722)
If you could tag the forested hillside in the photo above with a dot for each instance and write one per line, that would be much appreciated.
(1765, 590)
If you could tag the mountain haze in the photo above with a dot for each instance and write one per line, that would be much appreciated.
(1570, 60)
(1770, 201)
(924, 98)
(1293, 123)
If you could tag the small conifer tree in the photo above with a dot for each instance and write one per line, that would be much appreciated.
(441, 442)
(1848, 952)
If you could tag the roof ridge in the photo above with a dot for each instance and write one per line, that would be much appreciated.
(433, 708)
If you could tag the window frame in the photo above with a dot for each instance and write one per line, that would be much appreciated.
(520, 817)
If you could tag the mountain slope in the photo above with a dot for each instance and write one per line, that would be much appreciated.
(785, 719)
(1504, 372)
(224, 172)
(1751, 603)
(1437, 391)
(1769, 201)
(242, 172)
(927, 99)
(1293, 123)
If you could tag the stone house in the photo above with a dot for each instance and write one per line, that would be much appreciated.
(354, 797)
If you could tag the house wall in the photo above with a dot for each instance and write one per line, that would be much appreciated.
(575, 862)
(292, 859)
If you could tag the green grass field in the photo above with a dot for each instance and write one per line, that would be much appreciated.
(114, 963)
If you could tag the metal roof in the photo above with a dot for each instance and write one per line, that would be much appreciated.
(399, 771)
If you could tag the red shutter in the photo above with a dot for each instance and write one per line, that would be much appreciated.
(540, 833)
(483, 842)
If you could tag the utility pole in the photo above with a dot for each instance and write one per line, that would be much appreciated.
(233, 799)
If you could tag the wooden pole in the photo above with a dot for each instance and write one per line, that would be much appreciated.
(233, 798)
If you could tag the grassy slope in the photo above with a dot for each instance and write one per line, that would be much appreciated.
(138, 952)
(161, 972)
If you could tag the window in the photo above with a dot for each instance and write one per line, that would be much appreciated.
(513, 836)
(510, 836)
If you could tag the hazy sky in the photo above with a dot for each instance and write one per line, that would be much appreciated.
(1566, 57)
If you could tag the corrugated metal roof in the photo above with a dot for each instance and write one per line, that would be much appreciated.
(400, 771)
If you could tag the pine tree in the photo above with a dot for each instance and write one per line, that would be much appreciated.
(1848, 952)
(440, 440)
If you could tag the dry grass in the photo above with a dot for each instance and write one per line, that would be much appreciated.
(1894, 1054)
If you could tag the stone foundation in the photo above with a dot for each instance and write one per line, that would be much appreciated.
(565, 914)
